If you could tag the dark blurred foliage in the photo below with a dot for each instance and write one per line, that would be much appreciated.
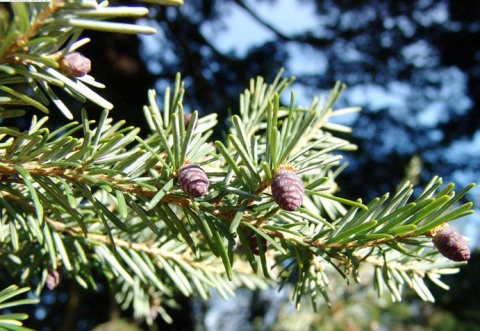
(462, 300)
(414, 66)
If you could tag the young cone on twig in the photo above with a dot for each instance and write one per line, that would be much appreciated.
(53, 279)
(451, 244)
(75, 64)
(187, 118)
(254, 241)
(287, 189)
(193, 180)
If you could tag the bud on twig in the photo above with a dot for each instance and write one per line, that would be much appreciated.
(287, 189)
(75, 64)
(53, 279)
(451, 244)
(186, 119)
(193, 180)
(254, 241)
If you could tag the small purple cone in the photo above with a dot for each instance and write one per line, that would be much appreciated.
(53, 279)
(193, 180)
(186, 119)
(451, 244)
(75, 64)
(287, 189)
(253, 243)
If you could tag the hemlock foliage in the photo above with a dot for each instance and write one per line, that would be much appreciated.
(97, 197)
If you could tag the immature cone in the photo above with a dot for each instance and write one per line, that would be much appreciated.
(75, 64)
(287, 189)
(451, 244)
(53, 279)
(186, 120)
(253, 243)
(193, 180)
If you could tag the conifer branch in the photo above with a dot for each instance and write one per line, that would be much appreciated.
(131, 183)
(36, 47)
(13, 321)
(174, 212)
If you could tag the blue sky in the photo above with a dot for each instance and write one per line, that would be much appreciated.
(239, 31)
